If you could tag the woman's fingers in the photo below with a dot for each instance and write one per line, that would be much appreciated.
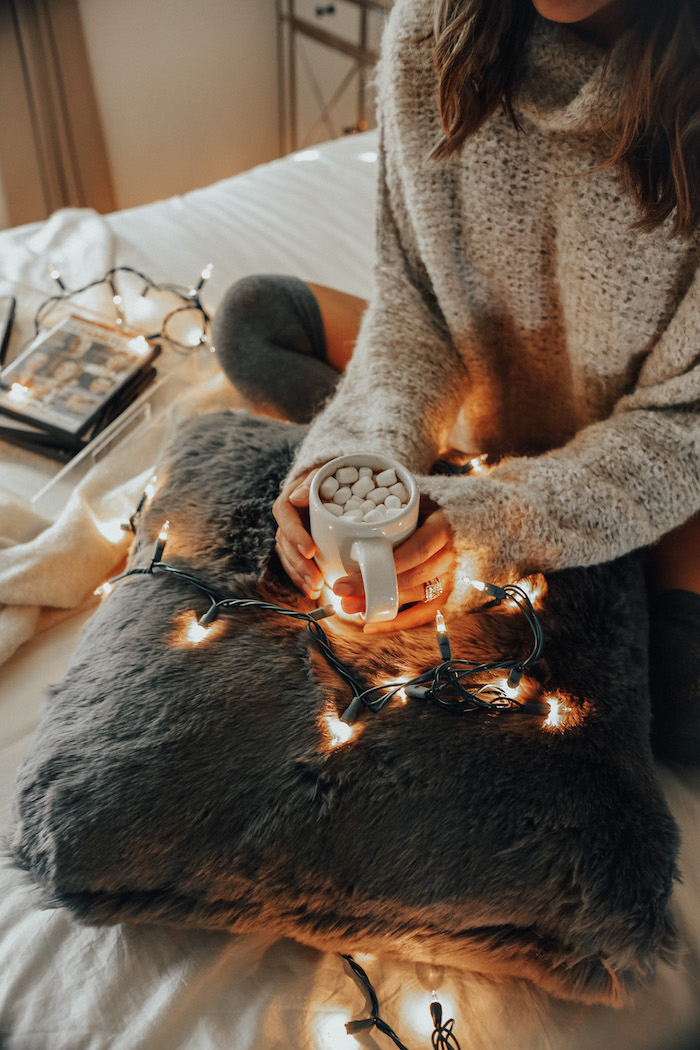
(295, 494)
(434, 534)
(303, 572)
(411, 583)
(414, 616)
(294, 545)
(426, 555)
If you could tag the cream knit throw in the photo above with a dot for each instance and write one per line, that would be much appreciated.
(510, 284)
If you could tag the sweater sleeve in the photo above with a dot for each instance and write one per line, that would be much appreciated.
(405, 383)
(619, 484)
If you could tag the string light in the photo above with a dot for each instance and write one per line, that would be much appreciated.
(442, 1035)
(18, 393)
(55, 275)
(161, 542)
(563, 713)
(190, 300)
(443, 684)
(140, 345)
(196, 632)
(555, 716)
(338, 732)
(149, 491)
(535, 587)
(443, 639)
(103, 590)
(477, 464)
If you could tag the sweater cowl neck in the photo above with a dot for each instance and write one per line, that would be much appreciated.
(567, 85)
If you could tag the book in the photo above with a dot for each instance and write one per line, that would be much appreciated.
(70, 383)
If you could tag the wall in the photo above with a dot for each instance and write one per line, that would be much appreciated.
(187, 91)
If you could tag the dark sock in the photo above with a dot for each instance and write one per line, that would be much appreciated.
(269, 339)
(674, 676)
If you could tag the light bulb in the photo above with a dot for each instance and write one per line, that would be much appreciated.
(478, 464)
(508, 690)
(139, 345)
(401, 694)
(143, 310)
(555, 718)
(535, 588)
(338, 732)
(150, 489)
(443, 639)
(196, 632)
(161, 541)
(18, 393)
(194, 335)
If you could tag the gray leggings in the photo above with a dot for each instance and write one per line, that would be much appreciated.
(269, 339)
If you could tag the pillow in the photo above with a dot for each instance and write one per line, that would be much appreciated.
(199, 785)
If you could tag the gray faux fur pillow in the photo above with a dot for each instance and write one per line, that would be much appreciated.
(195, 785)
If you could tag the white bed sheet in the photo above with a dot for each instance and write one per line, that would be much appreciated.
(67, 987)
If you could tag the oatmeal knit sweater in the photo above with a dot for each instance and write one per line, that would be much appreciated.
(511, 286)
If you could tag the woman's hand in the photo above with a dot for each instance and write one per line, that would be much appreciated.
(426, 555)
(294, 545)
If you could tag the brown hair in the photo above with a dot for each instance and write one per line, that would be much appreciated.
(654, 136)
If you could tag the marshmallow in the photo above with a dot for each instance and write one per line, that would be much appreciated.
(342, 495)
(329, 487)
(362, 487)
(377, 495)
(392, 502)
(387, 478)
(353, 515)
(333, 509)
(352, 504)
(400, 491)
(366, 472)
(347, 475)
(367, 506)
(378, 514)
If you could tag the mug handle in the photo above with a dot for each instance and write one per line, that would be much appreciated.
(376, 560)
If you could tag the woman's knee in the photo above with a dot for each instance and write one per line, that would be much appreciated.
(248, 304)
(270, 341)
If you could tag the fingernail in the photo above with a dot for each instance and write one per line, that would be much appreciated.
(370, 629)
(342, 588)
(302, 551)
(297, 494)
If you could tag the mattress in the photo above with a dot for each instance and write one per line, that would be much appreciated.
(68, 987)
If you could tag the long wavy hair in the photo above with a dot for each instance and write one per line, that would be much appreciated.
(654, 135)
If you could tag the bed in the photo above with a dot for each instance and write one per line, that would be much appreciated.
(64, 986)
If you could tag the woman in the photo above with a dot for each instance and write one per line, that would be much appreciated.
(537, 272)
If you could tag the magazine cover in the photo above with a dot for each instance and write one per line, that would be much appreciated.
(68, 377)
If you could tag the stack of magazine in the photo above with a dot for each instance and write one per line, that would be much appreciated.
(70, 383)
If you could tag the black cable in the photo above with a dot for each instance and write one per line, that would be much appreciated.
(443, 1037)
(190, 299)
(442, 684)
(374, 1020)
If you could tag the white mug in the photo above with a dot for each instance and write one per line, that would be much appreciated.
(345, 546)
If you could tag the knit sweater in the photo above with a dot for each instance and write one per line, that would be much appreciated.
(511, 285)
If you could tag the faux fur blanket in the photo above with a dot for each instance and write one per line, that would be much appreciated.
(196, 784)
